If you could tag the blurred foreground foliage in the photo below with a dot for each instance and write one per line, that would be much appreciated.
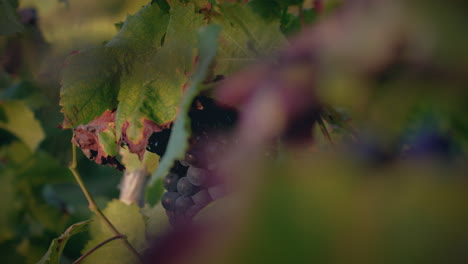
(325, 208)
(387, 186)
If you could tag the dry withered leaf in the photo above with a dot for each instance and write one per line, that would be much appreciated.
(87, 138)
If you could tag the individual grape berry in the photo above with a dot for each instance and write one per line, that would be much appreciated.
(157, 143)
(183, 203)
(170, 182)
(184, 187)
(190, 158)
(196, 175)
(201, 198)
(168, 200)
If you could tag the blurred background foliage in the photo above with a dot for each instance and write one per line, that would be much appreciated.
(39, 196)
(390, 189)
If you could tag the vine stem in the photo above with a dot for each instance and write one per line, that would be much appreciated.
(95, 209)
(98, 246)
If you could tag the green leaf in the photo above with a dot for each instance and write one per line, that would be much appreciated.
(245, 38)
(21, 122)
(9, 22)
(269, 9)
(178, 142)
(141, 72)
(132, 162)
(154, 88)
(162, 4)
(52, 256)
(292, 24)
(89, 86)
(157, 221)
(129, 221)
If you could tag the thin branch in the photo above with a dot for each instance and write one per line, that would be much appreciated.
(324, 130)
(93, 206)
(98, 246)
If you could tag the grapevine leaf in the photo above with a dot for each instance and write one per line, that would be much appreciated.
(162, 4)
(9, 21)
(291, 24)
(157, 221)
(132, 162)
(154, 89)
(52, 256)
(269, 9)
(245, 37)
(20, 121)
(178, 142)
(89, 86)
(130, 222)
(141, 73)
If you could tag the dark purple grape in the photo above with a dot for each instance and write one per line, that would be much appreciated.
(184, 187)
(196, 175)
(170, 182)
(189, 178)
(190, 158)
(183, 203)
(202, 198)
(168, 200)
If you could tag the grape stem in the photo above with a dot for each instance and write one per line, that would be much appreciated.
(98, 246)
(95, 209)
(133, 186)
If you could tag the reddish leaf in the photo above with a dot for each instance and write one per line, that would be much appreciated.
(86, 137)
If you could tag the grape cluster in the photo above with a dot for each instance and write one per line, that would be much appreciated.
(189, 189)
(191, 183)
